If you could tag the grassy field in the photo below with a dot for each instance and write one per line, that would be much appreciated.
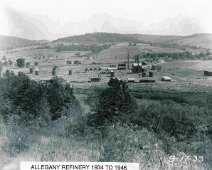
(186, 71)
(61, 141)
(189, 92)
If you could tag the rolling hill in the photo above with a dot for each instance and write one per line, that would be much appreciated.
(9, 42)
(97, 38)
(117, 38)
(197, 40)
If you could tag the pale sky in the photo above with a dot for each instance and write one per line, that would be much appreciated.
(51, 19)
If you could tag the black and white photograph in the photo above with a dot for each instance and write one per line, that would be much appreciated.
(105, 85)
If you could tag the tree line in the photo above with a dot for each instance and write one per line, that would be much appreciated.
(73, 47)
(172, 55)
(31, 100)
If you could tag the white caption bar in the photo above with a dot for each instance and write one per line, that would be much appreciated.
(78, 166)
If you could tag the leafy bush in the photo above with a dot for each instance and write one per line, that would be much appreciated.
(179, 121)
(20, 62)
(28, 64)
(77, 62)
(69, 62)
(10, 62)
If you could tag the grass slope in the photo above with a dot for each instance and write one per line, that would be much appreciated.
(8, 42)
(198, 40)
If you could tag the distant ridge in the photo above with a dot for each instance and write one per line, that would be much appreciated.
(199, 40)
(9, 42)
(101, 37)
(203, 40)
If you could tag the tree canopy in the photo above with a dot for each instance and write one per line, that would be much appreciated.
(115, 104)
(20, 62)
(28, 96)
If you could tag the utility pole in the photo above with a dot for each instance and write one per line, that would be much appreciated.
(128, 59)
(138, 61)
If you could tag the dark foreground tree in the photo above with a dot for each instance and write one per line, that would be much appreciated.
(59, 95)
(115, 104)
(23, 94)
(29, 99)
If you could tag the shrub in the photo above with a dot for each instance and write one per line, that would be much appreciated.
(10, 62)
(69, 62)
(20, 62)
(171, 118)
(77, 62)
(28, 64)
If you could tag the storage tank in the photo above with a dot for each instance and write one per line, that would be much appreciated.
(36, 70)
(31, 70)
(70, 72)
(150, 74)
(53, 72)
(112, 74)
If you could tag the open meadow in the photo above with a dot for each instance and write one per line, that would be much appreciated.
(80, 107)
